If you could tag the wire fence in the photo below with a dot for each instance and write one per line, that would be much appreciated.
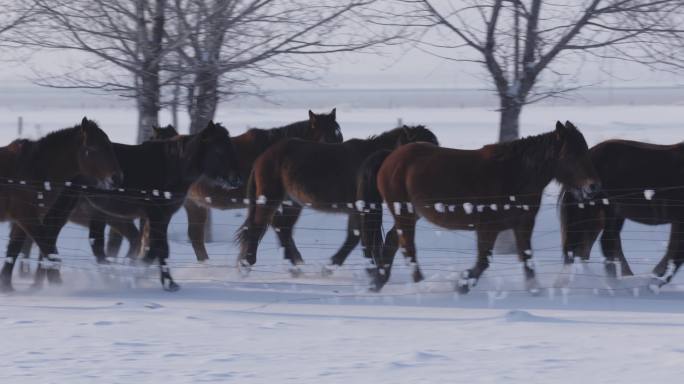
(433, 258)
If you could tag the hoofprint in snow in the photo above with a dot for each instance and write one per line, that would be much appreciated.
(105, 325)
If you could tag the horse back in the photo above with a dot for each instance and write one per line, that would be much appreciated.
(309, 172)
(630, 170)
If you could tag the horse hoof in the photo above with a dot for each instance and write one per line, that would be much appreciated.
(328, 270)
(54, 277)
(6, 287)
(24, 269)
(295, 271)
(372, 271)
(532, 287)
(244, 268)
(462, 288)
(172, 287)
(417, 276)
(655, 285)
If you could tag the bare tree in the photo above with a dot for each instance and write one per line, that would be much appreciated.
(14, 15)
(122, 43)
(520, 41)
(233, 44)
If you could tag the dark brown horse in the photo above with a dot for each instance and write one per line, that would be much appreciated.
(119, 227)
(318, 175)
(641, 182)
(33, 172)
(157, 176)
(248, 146)
(488, 190)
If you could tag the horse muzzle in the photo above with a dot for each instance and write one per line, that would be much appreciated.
(590, 190)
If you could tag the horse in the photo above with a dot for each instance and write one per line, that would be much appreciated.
(487, 190)
(248, 146)
(119, 227)
(641, 182)
(157, 176)
(286, 169)
(32, 173)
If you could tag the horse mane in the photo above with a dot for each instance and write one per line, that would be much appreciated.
(31, 149)
(268, 136)
(537, 149)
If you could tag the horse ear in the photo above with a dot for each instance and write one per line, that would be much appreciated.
(333, 113)
(570, 125)
(155, 128)
(559, 126)
(312, 117)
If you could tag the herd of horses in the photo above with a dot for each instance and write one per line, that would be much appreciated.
(77, 174)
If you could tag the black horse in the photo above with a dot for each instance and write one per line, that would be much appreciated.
(319, 175)
(157, 175)
(641, 182)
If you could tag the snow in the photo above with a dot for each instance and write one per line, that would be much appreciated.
(114, 324)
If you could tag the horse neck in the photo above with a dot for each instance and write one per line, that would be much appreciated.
(531, 169)
(185, 158)
(54, 162)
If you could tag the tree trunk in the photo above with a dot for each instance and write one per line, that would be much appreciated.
(509, 125)
(150, 45)
(148, 105)
(205, 101)
(509, 129)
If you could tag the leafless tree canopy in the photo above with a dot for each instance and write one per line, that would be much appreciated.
(194, 53)
(14, 14)
(233, 44)
(518, 41)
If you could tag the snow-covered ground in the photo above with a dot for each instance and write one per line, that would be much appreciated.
(271, 327)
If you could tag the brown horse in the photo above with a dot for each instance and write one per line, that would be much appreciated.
(488, 190)
(641, 182)
(327, 184)
(33, 171)
(248, 146)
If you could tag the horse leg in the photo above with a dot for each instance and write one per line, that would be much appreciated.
(485, 242)
(197, 221)
(283, 224)
(665, 270)
(17, 239)
(96, 238)
(158, 222)
(127, 229)
(114, 241)
(24, 265)
(406, 232)
(251, 233)
(144, 236)
(523, 240)
(611, 245)
(352, 239)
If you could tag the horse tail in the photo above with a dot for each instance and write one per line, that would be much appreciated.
(241, 235)
(369, 201)
(366, 183)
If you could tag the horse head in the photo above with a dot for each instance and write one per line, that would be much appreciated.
(95, 155)
(574, 168)
(323, 127)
